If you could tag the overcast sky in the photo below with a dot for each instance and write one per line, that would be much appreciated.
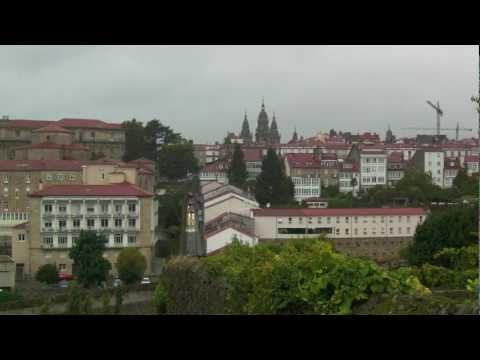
(203, 91)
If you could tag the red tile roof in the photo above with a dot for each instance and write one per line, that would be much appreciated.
(122, 189)
(38, 165)
(53, 128)
(252, 154)
(229, 226)
(302, 161)
(339, 212)
(66, 123)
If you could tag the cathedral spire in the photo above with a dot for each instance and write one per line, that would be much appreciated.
(245, 134)
(274, 134)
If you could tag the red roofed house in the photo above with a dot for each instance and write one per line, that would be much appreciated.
(471, 164)
(253, 161)
(215, 171)
(83, 135)
(305, 172)
(347, 171)
(123, 212)
(379, 233)
(451, 167)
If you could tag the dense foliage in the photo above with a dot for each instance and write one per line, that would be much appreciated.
(87, 254)
(272, 185)
(237, 173)
(47, 274)
(176, 161)
(453, 228)
(79, 301)
(131, 265)
(134, 140)
(160, 298)
(302, 277)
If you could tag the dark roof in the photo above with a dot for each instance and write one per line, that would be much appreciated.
(53, 128)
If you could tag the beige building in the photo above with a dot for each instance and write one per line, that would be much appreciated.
(7, 272)
(65, 138)
(124, 213)
(379, 233)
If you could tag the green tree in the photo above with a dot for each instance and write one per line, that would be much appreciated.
(134, 140)
(176, 161)
(106, 302)
(237, 173)
(48, 274)
(131, 265)
(160, 298)
(79, 301)
(272, 185)
(452, 228)
(87, 254)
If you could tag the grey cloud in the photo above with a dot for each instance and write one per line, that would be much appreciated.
(203, 91)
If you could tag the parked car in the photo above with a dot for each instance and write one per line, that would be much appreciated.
(146, 281)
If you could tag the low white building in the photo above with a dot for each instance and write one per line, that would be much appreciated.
(227, 198)
(432, 161)
(451, 168)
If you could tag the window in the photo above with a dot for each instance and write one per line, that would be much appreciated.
(346, 219)
(49, 176)
(5, 179)
(48, 241)
(337, 231)
(47, 224)
(17, 133)
(118, 223)
(408, 219)
(60, 177)
(118, 208)
(355, 231)
(90, 209)
(346, 231)
(62, 241)
(132, 208)
(355, 219)
(72, 177)
(408, 230)
(21, 237)
(74, 240)
(279, 220)
(338, 220)
(364, 231)
(90, 223)
(319, 220)
(62, 208)
(118, 239)
(328, 220)
(399, 230)
(76, 223)
(104, 208)
(27, 179)
(104, 223)
(62, 267)
(132, 239)
(391, 231)
(62, 224)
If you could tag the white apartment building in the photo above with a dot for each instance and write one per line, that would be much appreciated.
(471, 164)
(346, 172)
(307, 187)
(434, 164)
(451, 168)
(373, 168)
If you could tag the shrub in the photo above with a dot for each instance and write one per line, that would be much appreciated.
(131, 265)
(160, 298)
(106, 302)
(296, 277)
(118, 299)
(48, 274)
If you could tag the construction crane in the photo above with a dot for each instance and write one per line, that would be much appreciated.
(457, 130)
(439, 113)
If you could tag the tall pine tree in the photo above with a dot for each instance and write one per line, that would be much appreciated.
(272, 185)
(237, 173)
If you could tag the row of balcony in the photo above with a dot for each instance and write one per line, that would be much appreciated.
(101, 229)
(91, 215)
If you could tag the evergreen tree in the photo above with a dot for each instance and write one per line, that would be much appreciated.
(175, 161)
(134, 140)
(272, 185)
(237, 173)
(87, 254)
(462, 182)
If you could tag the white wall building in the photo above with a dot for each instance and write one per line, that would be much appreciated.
(373, 168)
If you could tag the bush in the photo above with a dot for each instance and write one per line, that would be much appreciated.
(297, 277)
(131, 265)
(160, 298)
(48, 274)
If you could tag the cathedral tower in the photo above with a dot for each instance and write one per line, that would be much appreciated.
(262, 133)
(274, 134)
(245, 134)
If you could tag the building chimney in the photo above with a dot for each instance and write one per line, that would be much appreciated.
(84, 174)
